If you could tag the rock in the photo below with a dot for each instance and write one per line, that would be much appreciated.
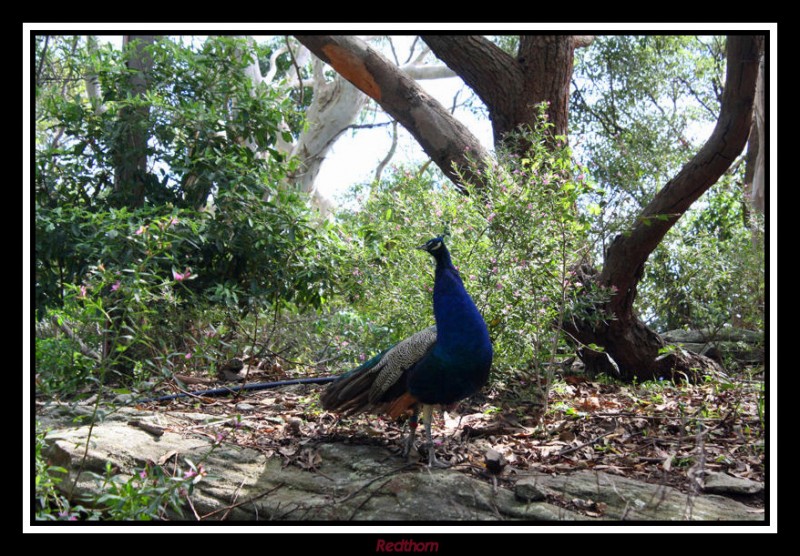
(230, 376)
(725, 334)
(244, 407)
(232, 365)
(124, 399)
(720, 483)
(745, 346)
(293, 425)
(311, 481)
(628, 499)
(528, 490)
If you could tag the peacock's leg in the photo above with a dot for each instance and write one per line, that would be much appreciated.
(412, 425)
(427, 416)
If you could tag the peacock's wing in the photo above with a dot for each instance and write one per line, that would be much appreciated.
(379, 380)
(400, 359)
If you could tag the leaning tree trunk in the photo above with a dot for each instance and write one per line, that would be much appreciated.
(446, 140)
(334, 107)
(754, 169)
(632, 346)
(511, 87)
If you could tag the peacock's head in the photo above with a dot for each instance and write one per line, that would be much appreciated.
(433, 245)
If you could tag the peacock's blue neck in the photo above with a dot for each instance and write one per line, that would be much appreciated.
(460, 327)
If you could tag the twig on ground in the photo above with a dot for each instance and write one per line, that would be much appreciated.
(566, 451)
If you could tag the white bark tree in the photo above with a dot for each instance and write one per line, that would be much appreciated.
(335, 106)
(755, 178)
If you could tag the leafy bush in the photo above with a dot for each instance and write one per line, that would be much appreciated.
(138, 281)
(709, 270)
(217, 233)
(60, 366)
(148, 495)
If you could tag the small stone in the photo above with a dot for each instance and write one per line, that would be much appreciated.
(293, 425)
(124, 399)
(233, 365)
(495, 462)
(244, 407)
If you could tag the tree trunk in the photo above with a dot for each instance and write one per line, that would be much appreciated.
(512, 88)
(130, 149)
(754, 177)
(335, 106)
(632, 346)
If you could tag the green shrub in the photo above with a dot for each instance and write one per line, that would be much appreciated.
(60, 366)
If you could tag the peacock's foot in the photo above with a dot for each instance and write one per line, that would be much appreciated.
(433, 461)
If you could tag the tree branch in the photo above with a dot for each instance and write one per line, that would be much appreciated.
(82, 347)
(582, 41)
(512, 87)
(92, 82)
(273, 63)
(296, 69)
(442, 137)
(698, 98)
(628, 252)
(43, 57)
(484, 66)
(416, 71)
(610, 126)
(389, 155)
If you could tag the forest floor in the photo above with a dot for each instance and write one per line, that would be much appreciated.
(657, 432)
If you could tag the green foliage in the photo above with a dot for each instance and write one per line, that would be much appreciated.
(218, 228)
(148, 495)
(60, 366)
(137, 281)
(125, 289)
(641, 107)
(200, 112)
(708, 271)
(50, 504)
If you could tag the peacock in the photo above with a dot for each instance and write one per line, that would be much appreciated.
(437, 366)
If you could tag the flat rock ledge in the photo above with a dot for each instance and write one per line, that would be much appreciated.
(357, 482)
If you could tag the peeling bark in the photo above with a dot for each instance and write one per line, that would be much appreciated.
(92, 82)
(754, 179)
(335, 106)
